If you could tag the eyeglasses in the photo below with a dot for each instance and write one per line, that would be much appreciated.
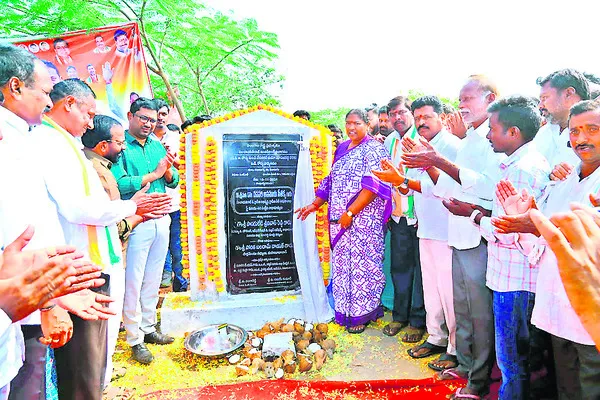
(145, 119)
(118, 142)
(398, 113)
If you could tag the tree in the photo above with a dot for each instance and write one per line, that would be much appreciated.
(218, 63)
(330, 116)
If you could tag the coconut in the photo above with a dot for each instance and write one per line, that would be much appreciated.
(269, 370)
(290, 367)
(317, 336)
(291, 321)
(323, 328)
(258, 363)
(277, 325)
(256, 342)
(298, 327)
(246, 361)
(234, 359)
(308, 326)
(287, 328)
(279, 373)
(307, 335)
(288, 356)
(329, 347)
(313, 348)
(278, 363)
(262, 333)
(296, 337)
(302, 344)
(304, 364)
(320, 356)
(241, 370)
(253, 353)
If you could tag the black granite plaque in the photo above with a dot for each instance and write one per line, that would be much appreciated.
(260, 177)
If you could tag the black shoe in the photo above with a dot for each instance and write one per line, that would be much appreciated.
(158, 338)
(141, 354)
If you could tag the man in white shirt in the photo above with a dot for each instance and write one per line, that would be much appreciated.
(435, 254)
(409, 307)
(464, 182)
(514, 121)
(24, 86)
(88, 218)
(558, 92)
(577, 360)
(28, 279)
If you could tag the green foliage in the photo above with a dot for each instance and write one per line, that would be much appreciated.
(330, 116)
(219, 63)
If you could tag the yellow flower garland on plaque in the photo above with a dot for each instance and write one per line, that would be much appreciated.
(321, 151)
(210, 213)
(185, 246)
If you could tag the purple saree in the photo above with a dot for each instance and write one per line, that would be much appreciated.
(357, 252)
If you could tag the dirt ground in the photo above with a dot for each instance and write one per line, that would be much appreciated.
(368, 356)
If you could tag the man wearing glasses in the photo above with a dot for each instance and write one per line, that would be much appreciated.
(144, 162)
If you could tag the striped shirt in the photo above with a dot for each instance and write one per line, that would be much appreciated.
(508, 269)
(138, 160)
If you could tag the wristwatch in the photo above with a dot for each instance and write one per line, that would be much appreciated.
(350, 213)
(474, 215)
(404, 184)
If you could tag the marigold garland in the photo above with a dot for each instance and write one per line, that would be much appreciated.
(210, 213)
(185, 248)
(204, 212)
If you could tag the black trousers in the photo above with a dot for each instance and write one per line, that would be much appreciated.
(409, 304)
(81, 363)
(577, 370)
(30, 382)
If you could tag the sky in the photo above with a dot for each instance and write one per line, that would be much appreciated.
(348, 53)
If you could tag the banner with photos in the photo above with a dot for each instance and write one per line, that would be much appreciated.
(110, 59)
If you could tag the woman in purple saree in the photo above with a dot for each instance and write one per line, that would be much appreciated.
(359, 206)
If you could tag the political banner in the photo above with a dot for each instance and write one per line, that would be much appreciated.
(110, 59)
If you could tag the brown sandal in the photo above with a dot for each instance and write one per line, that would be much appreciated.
(393, 328)
(413, 335)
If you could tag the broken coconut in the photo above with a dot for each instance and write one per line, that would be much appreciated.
(290, 367)
(279, 373)
(288, 356)
(241, 370)
(323, 328)
(313, 348)
(302, 344)
(329, 347)
(234, 359)
(320, 356)
(269, 370)
(304, 364)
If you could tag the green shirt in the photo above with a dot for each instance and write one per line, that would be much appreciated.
(137, 161)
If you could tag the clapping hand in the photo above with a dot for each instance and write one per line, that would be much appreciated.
(87, 305)
(574, 237)
(410, 146)
(389, 173)
(424, 158)
(513, 202)
(456, 125)
(561, 172)
(516, 206)
(459, 208)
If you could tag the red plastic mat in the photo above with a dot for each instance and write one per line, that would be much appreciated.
(317, 390)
